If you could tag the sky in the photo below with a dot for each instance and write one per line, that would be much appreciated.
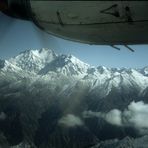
(17, 36)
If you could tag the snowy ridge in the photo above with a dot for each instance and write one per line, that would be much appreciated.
(9, 67)
(66, 65)
(47, 65)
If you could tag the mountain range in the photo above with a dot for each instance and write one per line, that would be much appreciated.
(51, 100)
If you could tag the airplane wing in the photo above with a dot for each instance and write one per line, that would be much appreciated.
(92, 22)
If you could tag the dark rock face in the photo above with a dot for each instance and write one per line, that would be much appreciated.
(34, 117)
(50, 134)
(3, 141)
(47, 125)
(106, 131)
(26, 119)
(124, 143)
(11, 127)
(127, 142)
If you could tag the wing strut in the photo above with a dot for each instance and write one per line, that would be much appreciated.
(129, 48)
(113, 46)
(59, 18)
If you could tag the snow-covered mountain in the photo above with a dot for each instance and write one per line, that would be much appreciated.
(45, 63)
(43, 96)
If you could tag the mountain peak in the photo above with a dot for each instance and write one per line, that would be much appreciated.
(42, 53)
(103, 69)
(72, 59)
(33, 60)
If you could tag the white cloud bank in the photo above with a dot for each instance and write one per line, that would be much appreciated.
(136, 115)
(70, 120)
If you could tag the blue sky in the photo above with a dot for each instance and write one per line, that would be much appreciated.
(17, 36)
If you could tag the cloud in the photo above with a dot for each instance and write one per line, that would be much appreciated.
(70, 120)
(136, 115)
(113, 117)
